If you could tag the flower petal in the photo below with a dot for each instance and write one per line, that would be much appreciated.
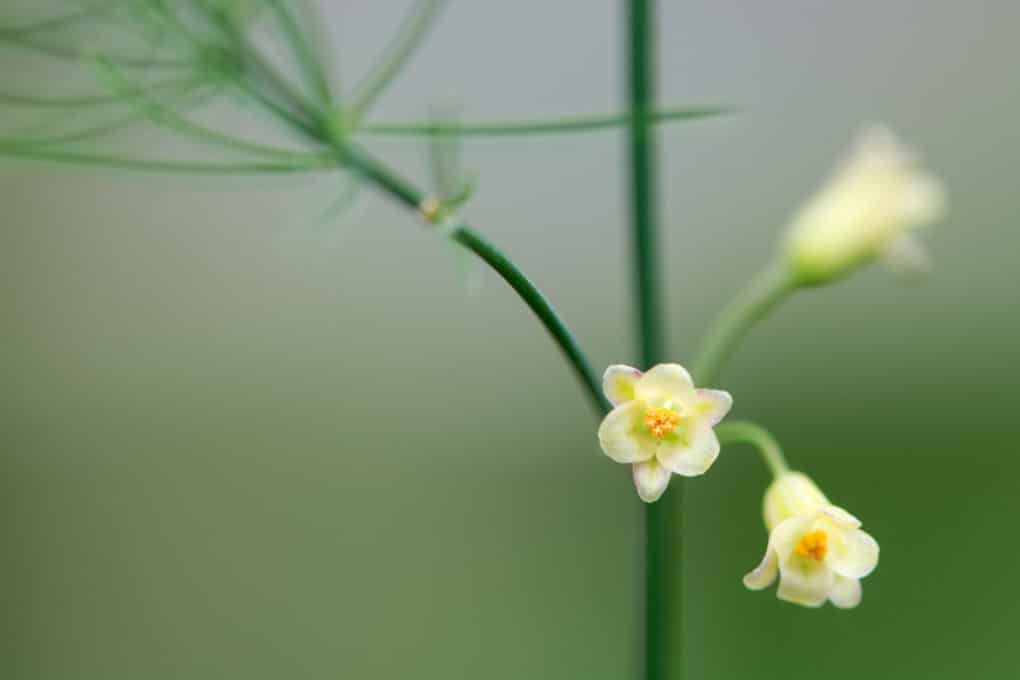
(841, 517)
(853, 554)
(845, 592)
(621, 436)
(790, 495)
(618, 383)
(804, 584)
(713, 405)
(651, 480)
(906, 256)
(691, 453)
(787, 534)
(765, 573)
(666, 382)
(922, 200)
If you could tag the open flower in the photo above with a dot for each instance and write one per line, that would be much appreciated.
(866, 210)
(817, 549)
(660, 424)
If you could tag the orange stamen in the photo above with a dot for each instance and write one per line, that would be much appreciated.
(813, 544)
(661, 421)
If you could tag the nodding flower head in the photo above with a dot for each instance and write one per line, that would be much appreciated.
(817, 550)
(661, 424)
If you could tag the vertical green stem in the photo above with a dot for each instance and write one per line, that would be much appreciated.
(656, 624)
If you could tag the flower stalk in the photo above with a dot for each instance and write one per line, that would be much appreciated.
(764, 294)
(746, 432)
(307, 120)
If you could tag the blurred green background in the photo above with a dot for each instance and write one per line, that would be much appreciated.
(236, 443)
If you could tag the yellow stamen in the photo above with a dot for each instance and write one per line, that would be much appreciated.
(813, 544)
(661, 421)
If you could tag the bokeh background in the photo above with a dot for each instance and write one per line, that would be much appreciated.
(239, 443)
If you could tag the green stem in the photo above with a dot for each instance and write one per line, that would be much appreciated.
(764, 293)
(541, 307)
(746, 432)
(311, 123)
(662, 548)
(592, 123)
(405, 193)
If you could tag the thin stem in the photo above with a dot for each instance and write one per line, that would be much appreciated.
(309, 122)
(746, 432)
(410, 37)
(661, 547)
(580, 124)
(411, 198)
(764, 293)
(540, 306)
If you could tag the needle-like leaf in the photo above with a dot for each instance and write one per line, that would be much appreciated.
(307, 57)
(579, 124)
(319, 164)
(393, 59)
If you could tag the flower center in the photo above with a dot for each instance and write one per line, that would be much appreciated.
(661, 421)
(813, 544)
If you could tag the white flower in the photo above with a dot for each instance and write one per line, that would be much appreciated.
(865, 211)
(817, 549)
(661, 424)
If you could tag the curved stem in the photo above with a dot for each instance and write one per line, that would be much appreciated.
(746, 432)
(763, 294)
(410, 197)
(540, 306)
(592, 123)
(309, 121)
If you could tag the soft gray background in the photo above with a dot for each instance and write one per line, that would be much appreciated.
(238, 444)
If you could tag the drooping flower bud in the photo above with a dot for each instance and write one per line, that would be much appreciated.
(817, 550)
(865, 211)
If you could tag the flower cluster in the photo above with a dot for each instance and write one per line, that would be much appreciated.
(662, 425)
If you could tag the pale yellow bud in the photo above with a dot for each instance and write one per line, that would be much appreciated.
(865, 211)
(791, 494)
